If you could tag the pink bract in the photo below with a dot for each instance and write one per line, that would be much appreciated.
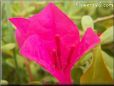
(52, 40)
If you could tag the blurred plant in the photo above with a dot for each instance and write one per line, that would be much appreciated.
(21, 8)
(57, 63)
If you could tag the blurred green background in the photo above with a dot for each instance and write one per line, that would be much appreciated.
(17, 69)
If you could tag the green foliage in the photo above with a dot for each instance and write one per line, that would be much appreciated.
(107, 36)
(108, 60)
(8, 47)
(97, 73)
(100, 63)
(87, 22)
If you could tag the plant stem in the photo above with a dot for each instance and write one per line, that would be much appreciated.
(16, 64)
(103, 18)
(29, 70)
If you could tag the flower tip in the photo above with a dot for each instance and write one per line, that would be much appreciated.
(51, 4)
(91, 30)
(12, 20)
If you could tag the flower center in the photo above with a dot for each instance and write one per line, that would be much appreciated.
(57, 54)
(69, 58)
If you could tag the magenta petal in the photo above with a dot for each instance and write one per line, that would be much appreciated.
(89, 40)
(22, 29)
(20, 22)
(25, 28)
(34, 49)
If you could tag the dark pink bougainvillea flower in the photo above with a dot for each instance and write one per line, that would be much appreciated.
(52, 40)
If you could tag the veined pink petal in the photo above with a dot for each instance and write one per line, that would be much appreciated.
(51, 22)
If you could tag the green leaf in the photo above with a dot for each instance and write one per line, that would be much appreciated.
(107, 36)
(109, 62)
(97, 72)
(8, 47)
(86, 22)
